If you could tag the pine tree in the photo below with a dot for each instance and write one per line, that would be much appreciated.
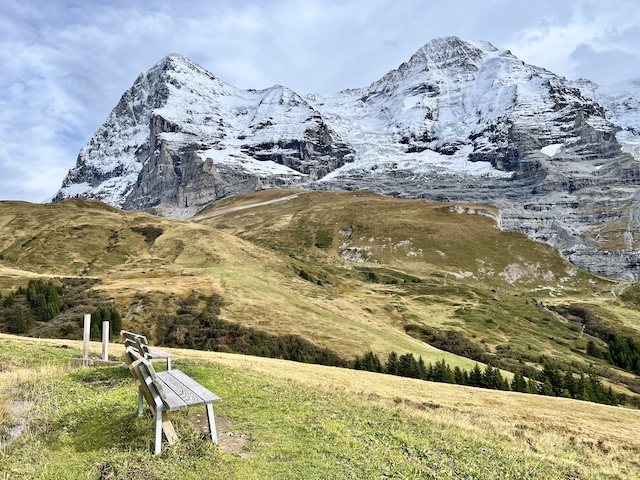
(392, 365)
(357, 362)
(546, 388)
(491, 378)
(9, 300)
(475, 377)
(423, 368)
(550, 372)
(18, 320)
(442, 372)
(408, 367)
(569, 385)
(460, 376)
(593, 350)
(519, 384)
(116, 324)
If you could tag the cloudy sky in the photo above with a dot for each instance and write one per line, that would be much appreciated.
(65, 63)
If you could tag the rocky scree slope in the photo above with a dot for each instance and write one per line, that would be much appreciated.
(460, 121)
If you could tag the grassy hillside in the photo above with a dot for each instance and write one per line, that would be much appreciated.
(280, 419)
(350, 272)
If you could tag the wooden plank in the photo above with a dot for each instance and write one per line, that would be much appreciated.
(171, 400)
(132, 336)
(205, 394)
(157, 353)
(181, 390)
(167, 428)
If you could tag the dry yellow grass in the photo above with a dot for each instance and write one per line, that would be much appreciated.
(502, 413)
(259, 278)
(555, 429)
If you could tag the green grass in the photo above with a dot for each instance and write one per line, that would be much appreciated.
(84, 426)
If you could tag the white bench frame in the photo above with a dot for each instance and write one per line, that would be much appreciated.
(166, 392)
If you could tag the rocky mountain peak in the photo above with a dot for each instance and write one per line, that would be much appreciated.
(459, 121)
(446, 52)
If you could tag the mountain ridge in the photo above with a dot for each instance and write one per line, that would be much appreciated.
(459, 120)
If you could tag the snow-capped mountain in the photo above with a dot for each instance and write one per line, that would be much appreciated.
(180, 138)
(460, 121)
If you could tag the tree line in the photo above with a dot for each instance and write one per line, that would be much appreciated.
(552, 381)
(38, 301)
(42, 301)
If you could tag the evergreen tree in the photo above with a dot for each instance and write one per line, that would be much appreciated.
(43, 298)
(550, 372)
(596, 389)
(442, 372)
(582, 388)
(593, 350)
(357, 362)
(407, 366)
(107, 313)
(475, 377)
(369, 362)
(546, 388)
(569, 384)
(392, 366)
(460, 376)
(19, 320)
(116, 323)
(422, 367)
(519, 384)
(9, 300)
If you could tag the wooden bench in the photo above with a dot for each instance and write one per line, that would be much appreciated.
(166, 392)
(140, 343)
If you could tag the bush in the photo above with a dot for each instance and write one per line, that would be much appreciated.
(196, 325)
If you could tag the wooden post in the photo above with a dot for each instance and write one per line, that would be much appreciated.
(105, 340)
(85, 338)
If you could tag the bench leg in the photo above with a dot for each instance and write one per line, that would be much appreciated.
(168, 363)
(140, 406)
(212, 424)
(158, 432)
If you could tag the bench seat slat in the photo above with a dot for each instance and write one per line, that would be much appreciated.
(157, 353)
(206, 395)
(169, 397)
(188, 398)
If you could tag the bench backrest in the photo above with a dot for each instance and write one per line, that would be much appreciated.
(143, 372)
(136, 341)
(131, 337)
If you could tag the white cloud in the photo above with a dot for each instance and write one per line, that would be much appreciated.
(66, 62)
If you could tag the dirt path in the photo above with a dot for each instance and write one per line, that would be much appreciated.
(244, 207)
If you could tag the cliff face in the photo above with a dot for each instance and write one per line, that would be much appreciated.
(180, 138)
(458, 121)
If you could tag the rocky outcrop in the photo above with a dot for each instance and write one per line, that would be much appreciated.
(180, 138)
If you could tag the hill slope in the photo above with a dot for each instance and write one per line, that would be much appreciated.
(349, 272)
(299, 421)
